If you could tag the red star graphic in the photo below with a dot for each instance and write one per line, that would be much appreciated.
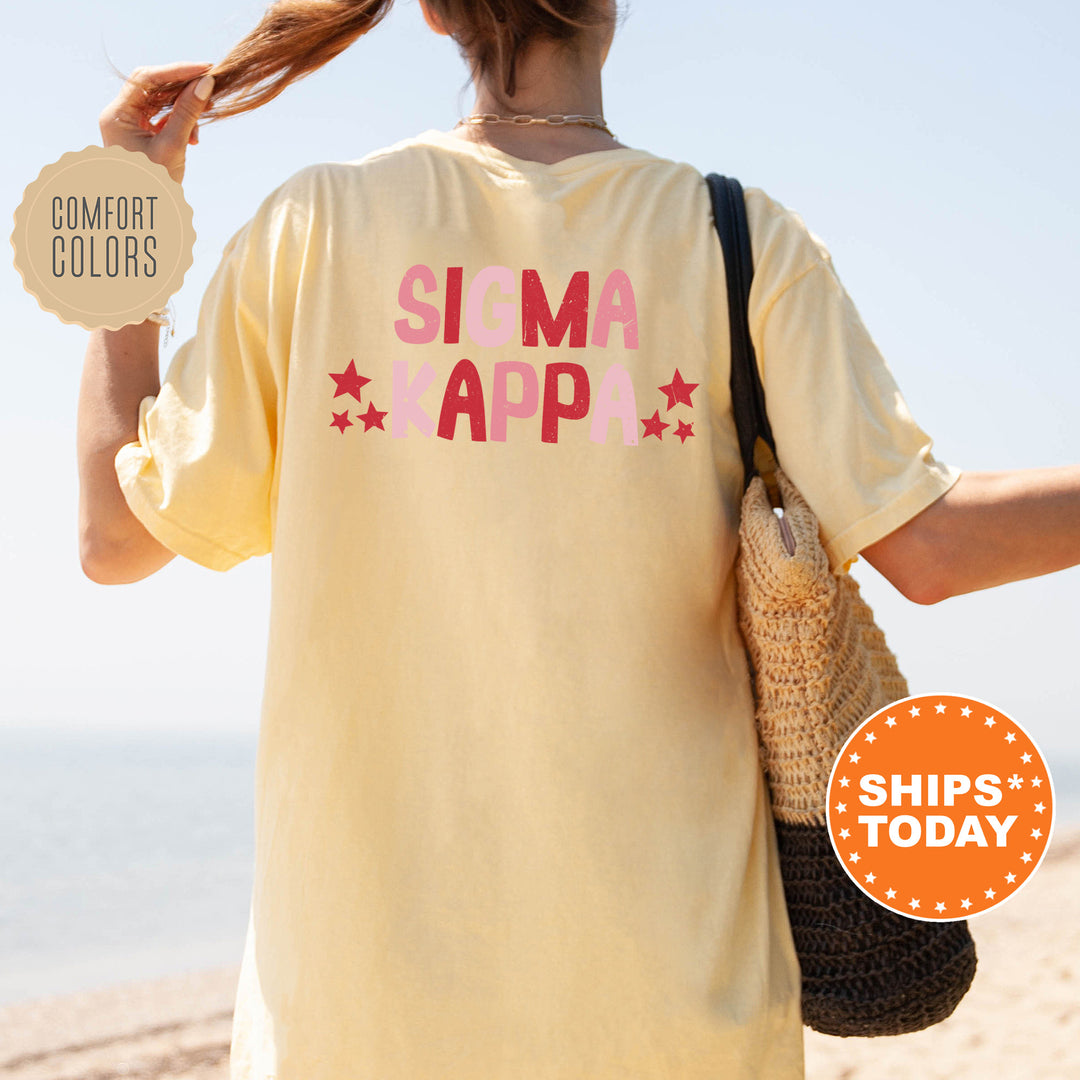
(678, 391)
(372, 418)
(348, 381)
(684, 431)
(341, 420)
(654, 426)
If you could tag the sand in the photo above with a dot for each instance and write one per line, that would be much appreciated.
(1021, 1018)
(176, 1027)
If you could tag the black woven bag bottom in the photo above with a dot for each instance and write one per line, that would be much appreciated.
(865, 969)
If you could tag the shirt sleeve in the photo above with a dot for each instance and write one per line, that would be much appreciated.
(202, 474)
(844, 434)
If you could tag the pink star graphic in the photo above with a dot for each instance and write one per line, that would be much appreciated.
(678, 391)
(348, 381)
(372, 418)
(654, 426)
(341, 420)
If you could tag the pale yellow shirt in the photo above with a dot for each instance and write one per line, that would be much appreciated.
(510, 823)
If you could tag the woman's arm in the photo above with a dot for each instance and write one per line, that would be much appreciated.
(121, 366)
(989, 528)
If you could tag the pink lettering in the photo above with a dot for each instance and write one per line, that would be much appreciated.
(625, 312)
(408, 302)
(406, 408)
(615, 401)
(502, 311)
(501, 405)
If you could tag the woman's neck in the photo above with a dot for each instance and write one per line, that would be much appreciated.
(550, 81)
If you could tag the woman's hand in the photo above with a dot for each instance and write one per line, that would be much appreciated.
(129, 120)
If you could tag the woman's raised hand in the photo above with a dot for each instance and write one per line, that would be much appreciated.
(128, 121)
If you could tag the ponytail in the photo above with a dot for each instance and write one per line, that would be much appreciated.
(295, 37)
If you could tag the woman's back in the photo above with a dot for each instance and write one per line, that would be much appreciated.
(510, 819)
(509, 816)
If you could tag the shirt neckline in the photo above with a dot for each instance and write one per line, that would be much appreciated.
(510, 165)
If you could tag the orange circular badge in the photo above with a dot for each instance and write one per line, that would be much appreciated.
(940, 807)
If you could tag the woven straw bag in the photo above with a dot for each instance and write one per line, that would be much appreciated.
(820, 667)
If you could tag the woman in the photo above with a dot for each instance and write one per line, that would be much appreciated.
(472, 393)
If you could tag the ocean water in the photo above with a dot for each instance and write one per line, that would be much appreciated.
(122, 856)
(129, 856)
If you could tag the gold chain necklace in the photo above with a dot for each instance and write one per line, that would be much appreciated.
(523, 119)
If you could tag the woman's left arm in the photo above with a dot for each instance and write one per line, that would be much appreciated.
(989, 528)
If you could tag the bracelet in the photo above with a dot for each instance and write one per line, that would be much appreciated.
(165, 319)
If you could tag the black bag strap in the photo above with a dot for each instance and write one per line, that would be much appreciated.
(747, 393)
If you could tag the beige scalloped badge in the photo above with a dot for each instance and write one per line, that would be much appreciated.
(103, 237)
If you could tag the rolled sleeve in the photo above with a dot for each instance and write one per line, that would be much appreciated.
(844, 434)
(202, 474)
(161, 502)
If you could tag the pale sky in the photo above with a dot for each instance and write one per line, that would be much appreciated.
(932, 145)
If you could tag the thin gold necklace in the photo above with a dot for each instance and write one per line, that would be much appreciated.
(556, 120)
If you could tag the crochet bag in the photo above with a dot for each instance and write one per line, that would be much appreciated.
(820, 667)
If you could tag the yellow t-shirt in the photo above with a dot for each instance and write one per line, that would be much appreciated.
(510, 823)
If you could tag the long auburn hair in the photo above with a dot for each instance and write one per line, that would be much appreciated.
(296, 37)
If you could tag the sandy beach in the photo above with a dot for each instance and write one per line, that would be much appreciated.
(1020, 1020)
